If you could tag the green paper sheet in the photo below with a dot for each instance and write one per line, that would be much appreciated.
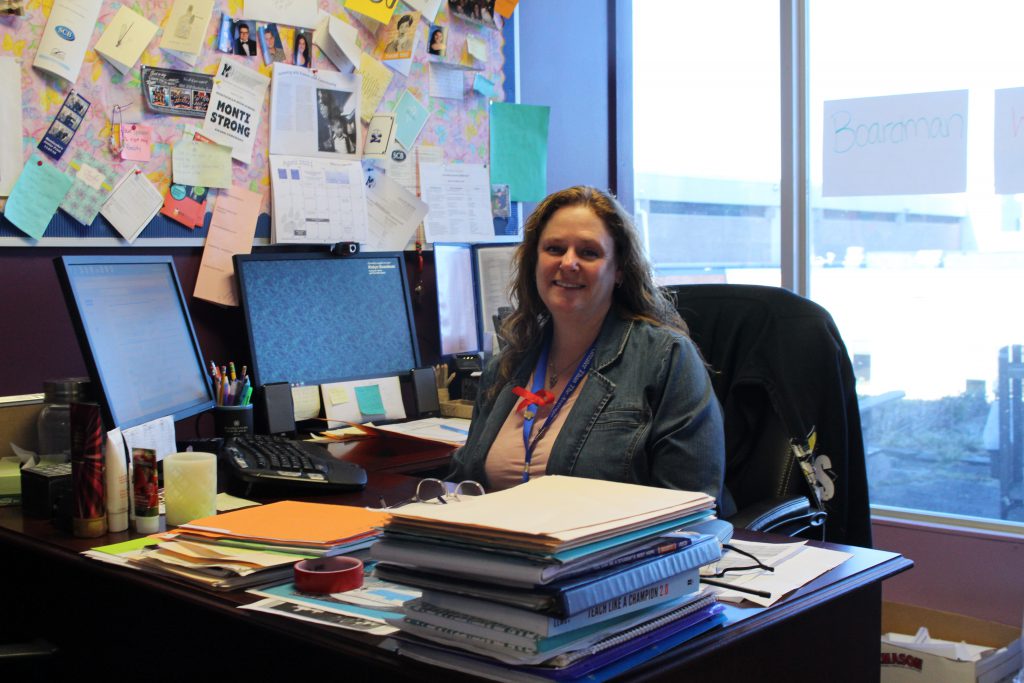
(36, 196)
(519, 149)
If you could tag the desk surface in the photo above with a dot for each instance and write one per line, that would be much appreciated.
(833, 622)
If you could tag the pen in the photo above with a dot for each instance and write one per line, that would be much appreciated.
(723, 584)
(454, 429)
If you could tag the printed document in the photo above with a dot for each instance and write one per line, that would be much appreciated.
(232, 229)
(376, 79)
(459, 197)
(68, 32)
(313, 113)
(317, 201)
(233, 116)
(393, 213)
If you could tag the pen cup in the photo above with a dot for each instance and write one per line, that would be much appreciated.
(190, 486)
(230, 421)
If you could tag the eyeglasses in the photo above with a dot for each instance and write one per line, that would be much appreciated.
(434, 490)
(758, 564)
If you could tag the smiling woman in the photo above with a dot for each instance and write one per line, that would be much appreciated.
(610, 385)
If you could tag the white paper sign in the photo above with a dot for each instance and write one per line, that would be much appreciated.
(1009, 141)
(899, 144)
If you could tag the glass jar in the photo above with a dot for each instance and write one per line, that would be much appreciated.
(53, 425)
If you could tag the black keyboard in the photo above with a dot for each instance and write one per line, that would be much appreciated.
(282, 463)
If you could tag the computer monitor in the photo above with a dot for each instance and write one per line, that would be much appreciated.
(456, 299)
(136, 336)
(472, 289)
(313, 317)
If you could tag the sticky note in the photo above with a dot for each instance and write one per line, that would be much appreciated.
(519, 149)
(410, 115)
(201, 163)
(36, 196)
(338, 395)
(370, 400)
(375, 9)
(137, 142)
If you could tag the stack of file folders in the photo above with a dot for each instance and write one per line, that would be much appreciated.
(558, 578)
(248, 547)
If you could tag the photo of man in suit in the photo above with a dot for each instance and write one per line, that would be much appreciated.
(244, 45)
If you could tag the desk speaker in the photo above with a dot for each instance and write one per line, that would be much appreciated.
(275, 413)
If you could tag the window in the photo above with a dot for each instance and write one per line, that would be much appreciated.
(706, 139)
(925, 288)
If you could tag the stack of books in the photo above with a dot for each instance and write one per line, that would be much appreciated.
(558, 578)
(249, 547)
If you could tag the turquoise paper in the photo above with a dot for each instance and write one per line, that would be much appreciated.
(519, 149)
(36, 196)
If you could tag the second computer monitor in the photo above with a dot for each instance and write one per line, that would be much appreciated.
(314, 318)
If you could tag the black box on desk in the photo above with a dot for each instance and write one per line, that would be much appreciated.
(42, 486)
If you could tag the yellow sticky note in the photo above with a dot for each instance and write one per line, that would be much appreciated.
(201, 163)
(338, 395)
(375, 9)
(375, 82)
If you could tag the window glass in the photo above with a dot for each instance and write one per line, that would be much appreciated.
(706, 139)
(925, 288)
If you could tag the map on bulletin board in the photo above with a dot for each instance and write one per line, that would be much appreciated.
(457, 129)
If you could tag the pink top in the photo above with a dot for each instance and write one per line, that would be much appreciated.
(505, 460)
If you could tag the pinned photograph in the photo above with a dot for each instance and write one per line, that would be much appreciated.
(438, 37)
(225, 34)
(245, 41)
(500, 205)
(12, 7)
(303, 54)
(477, 11)
(76, 104)
(400, 35)
(336, 121)
(270, 43)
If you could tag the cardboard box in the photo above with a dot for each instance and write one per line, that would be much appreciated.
(904, 665)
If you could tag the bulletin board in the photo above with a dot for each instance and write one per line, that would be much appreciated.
(459, 127)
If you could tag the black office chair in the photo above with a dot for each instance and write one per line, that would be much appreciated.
(786, 385)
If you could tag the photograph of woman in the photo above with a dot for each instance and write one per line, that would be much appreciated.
(598, 377)
(303, 53)
(436, 45)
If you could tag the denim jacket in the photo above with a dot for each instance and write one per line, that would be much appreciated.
(647, 414)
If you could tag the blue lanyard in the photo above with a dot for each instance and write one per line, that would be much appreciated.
(539, 377)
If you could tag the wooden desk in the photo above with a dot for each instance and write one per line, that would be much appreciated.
(107, 618)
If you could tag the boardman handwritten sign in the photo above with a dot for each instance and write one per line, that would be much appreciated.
(1009, 141)
(898, 144)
